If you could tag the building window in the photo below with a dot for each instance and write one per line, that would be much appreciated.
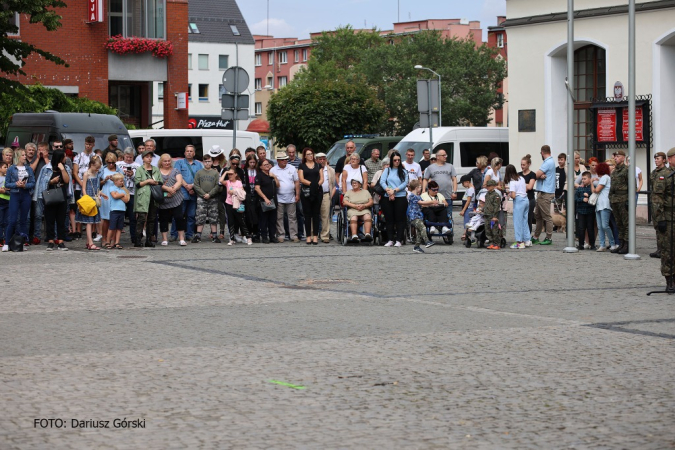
(142, 18)
(283, 81)
(14, 21)
(258, 108)
(270, 82)
(297, 56)
(283, 57)
(203, 92)
(258, 84)
(189, 61)
(258, 59)
(270, 58)
(590, 75)
(160, 91)
(222, 62)
(203, 62)
(304, 54)
(193, 29)
(235, 30)
(500, 40)
(190, 92)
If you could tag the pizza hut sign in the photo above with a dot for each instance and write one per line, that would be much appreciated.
(94, 11)
(209, 122)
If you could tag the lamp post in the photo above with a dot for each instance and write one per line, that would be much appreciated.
(440, 120)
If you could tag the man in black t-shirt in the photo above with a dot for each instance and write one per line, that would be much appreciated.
(426, 159)
(560, 183)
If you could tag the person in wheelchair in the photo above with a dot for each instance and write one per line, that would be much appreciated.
(358, 202)
(435, 208)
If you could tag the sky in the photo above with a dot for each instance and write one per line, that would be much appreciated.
(298, 18)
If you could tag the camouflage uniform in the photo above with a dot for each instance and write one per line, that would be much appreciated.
(493, 204)
(618, 199)
(662, 197)
(658, 180)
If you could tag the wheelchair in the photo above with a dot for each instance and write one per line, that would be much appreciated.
(344, 233)
(448, 238)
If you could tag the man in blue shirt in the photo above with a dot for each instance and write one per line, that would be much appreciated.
(545, 187)
(188, 167)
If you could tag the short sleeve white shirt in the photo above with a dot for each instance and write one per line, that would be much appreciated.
(353, 174)
(287, 179)
(414, 170)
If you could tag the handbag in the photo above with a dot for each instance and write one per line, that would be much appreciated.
(593, 199)
(15, 243)
(87, 206)
(157, 193)
(265, 207)
(306, 191)
(53, 196)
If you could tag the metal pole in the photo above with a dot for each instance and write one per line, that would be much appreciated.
(440, 102)
(431, 133)
(571, 248)
(631, 133)
(234, 111)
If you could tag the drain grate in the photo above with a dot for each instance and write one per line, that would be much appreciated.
(327, 281)
(132, 257)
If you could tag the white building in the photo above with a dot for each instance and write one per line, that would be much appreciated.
(219, 38)
(537, 32)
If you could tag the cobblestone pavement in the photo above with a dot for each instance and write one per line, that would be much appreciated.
(295, 346)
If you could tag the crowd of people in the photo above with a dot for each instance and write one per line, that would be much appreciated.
(292, 198)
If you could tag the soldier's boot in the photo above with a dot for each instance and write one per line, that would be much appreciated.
(616, 250)
(656, 254)
(623, 250)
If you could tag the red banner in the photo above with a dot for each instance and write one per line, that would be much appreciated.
(95, 11)
(638, 125)
(606, 125)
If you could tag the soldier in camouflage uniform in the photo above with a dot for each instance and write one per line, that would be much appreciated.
(658, 179)
(618, 199)
(493, 204)
(663, 217)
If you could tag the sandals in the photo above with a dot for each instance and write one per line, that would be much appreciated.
(118, 247)
(107, 246)
(92, 247)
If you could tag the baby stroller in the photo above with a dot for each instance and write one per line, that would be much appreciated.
(478, 236)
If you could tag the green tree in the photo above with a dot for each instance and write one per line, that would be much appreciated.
(315, 114)
(13, 51)
(470, 75)
(39, 99)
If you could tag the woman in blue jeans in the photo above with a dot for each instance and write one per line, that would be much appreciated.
(603, 209)
(517, 188)
(20, 180)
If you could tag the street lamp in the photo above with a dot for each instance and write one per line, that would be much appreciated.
(440, 122)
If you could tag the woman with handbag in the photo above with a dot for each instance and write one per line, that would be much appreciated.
(172, 206)
(266, 185)
(147, 177)
(311, 194)
(20, 180)
(54, 189)
(91, 186)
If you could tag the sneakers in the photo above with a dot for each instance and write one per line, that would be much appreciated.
(429, 244)
(580, 247)
(528, 243)
(149, 244)
(534, 241)
(397, 244)
(433, 230)
(388, 244)
(602, 248)
(62, 247)
(587, 246)
(97, 238)
(521, 245)
(35, 241)
(239, 239)
(368, 237)
(446, 230)
(355, 238)
(493, 247)
(249, 241)
(215, 239)
(165, 243)
(5, 248)
(614, 247)
(196, 239)
(417, 249)
(514, 245)
(50, 247)
(546, 241)
(183, 243)
(230, 243)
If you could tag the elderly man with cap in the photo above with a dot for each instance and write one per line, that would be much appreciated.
(328, 188)
(663, 217)
(618, 199)
(149, 145)
(658, 180)
(188, 167)
(288, 195)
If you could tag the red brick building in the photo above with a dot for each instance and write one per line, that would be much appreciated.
(496, 38)
(121, 81)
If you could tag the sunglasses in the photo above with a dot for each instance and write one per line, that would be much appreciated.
(433, 189)
(58, 146)
(397, 159)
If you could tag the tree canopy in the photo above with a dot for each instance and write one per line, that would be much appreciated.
(384, 66)
(13, 51)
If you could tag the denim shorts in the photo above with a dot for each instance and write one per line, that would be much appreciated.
(116, 220)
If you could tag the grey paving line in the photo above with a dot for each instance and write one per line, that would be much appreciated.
(618, 326)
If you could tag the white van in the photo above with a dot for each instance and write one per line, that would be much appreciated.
(463, 145)
(173, 141)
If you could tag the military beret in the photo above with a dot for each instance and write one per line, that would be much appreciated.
(661, 154)
(671, 152)
(491, 183)
(620, 152)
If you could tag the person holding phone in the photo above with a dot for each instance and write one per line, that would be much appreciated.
(128, 168)
(20, 180)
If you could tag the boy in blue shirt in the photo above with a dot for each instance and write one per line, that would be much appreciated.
(119, 196)
(415, 215)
